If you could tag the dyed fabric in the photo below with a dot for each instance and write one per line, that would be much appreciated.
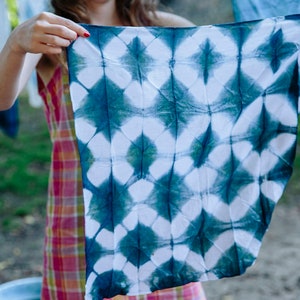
(191, 291)
(246, 10)
(9, 121)
(186, 139)
(64, 273)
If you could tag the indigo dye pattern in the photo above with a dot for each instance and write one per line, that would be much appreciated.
(187, 139)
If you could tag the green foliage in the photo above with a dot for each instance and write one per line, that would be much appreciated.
(24, 167)
(12, 12)
(23, 162)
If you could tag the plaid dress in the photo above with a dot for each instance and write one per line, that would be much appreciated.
(64, 253)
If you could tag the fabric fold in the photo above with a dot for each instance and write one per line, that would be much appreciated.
(187, 139)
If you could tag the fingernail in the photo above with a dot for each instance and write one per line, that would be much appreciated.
(86, 34)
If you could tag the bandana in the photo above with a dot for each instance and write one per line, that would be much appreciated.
(187, 138)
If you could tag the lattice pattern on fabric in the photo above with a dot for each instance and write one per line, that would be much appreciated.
(187, 138)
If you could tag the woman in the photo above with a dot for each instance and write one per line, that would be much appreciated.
(38, 43)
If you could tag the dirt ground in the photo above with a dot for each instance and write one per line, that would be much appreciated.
(276, 273)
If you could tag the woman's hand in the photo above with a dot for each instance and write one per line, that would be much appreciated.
(45, 33)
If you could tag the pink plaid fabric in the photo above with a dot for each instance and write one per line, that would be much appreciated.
(64, 253)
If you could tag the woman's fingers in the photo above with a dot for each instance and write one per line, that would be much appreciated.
(46, 33)
(49, 49)
(74, 28)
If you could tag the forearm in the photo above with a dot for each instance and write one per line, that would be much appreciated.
(45, 33)
(15, 70)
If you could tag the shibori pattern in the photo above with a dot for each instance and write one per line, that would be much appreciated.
(187, 139)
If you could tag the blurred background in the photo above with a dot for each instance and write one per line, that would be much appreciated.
(24, 167)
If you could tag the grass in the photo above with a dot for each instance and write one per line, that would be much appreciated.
(292, 191)
(24, 166)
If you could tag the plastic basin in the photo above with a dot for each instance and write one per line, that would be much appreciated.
(21, 289)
